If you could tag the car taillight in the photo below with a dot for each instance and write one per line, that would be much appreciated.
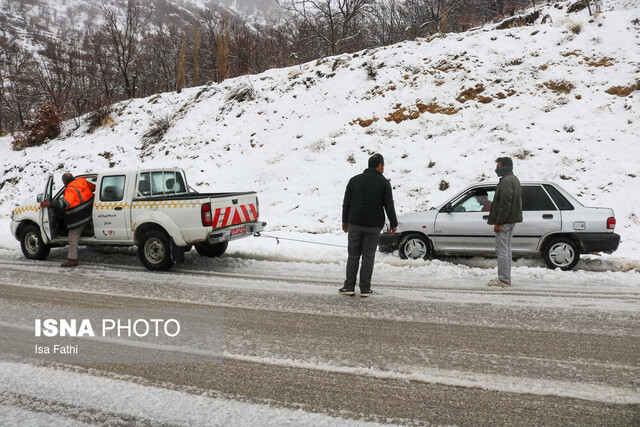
(611, 223)
(206, 215)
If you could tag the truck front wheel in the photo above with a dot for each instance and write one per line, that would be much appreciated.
(211, 250)
(32, 245)
(155, 251)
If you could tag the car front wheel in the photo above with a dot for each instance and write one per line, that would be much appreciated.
(415, 246)
(561, 253)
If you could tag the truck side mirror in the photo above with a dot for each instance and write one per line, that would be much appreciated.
(40, 197)
(446, 208)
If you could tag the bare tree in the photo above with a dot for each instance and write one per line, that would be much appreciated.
(123, 29)
(331, 21)
(56, 72)
(182, 65)
(197, 39)
(17, 90)
(161, 49)
(97, 49)
(222, 44)
(385, 23)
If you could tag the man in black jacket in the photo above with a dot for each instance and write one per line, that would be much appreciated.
(366, 199)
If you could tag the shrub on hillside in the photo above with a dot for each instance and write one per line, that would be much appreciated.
(99, 117)
(559, 86)
(578, 6)
(519, 21)
(43, 126)
(244, 91)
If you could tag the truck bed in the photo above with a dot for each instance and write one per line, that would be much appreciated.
(190, 196)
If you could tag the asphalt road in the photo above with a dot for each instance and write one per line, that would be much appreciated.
(389, 358)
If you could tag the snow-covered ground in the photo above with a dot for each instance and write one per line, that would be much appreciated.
(571, 315)
(296, 137)
(98, 400)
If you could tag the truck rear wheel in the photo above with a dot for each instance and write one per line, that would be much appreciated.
(155, 251)
(32, 245)
(211, 250)
(561, 253)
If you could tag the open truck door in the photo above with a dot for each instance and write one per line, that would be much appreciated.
(47, 215)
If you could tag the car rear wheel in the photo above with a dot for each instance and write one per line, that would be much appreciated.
(211, 250)
(415, 246)
(32, 245)
(155, 251)
(561, 253)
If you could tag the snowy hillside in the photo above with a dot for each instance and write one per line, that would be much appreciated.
(33, 21)
(440, 110)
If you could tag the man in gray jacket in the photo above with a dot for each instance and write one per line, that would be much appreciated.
(506, 212)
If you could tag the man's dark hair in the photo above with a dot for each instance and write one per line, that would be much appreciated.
(505, 161)
(375, 161)
(67, 178)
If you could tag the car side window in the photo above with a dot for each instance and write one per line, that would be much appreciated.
(112, 188)
(476, 200)
(557, 197)
(534, 198)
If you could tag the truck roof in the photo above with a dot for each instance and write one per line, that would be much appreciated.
(128, 171)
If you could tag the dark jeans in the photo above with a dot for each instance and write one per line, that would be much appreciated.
(363, 242)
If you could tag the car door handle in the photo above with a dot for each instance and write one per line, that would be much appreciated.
(485, 217)
(118, 208)
(547, 216)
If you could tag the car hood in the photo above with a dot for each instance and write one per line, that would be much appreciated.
(418, 219)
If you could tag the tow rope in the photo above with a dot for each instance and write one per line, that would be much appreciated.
(277, 239)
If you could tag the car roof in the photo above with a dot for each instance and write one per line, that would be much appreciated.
(495, 183)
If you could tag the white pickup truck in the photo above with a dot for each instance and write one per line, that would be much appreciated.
(153, 209)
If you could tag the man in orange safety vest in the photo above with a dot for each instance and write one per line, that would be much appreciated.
(77, 192)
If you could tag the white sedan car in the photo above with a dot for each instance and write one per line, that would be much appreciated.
(555, 226)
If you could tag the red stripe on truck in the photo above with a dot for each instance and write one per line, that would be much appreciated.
(253, 211)
(226, 216)
(216, 217)
(246, 213)
(236, 218)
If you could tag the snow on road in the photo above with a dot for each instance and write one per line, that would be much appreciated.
(297, 278)
(108, 400)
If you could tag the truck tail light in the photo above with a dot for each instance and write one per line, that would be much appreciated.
(257, 208)
(611, 223)
(205, 211)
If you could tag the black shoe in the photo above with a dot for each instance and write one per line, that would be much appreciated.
(347, 291)
(365, 293)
